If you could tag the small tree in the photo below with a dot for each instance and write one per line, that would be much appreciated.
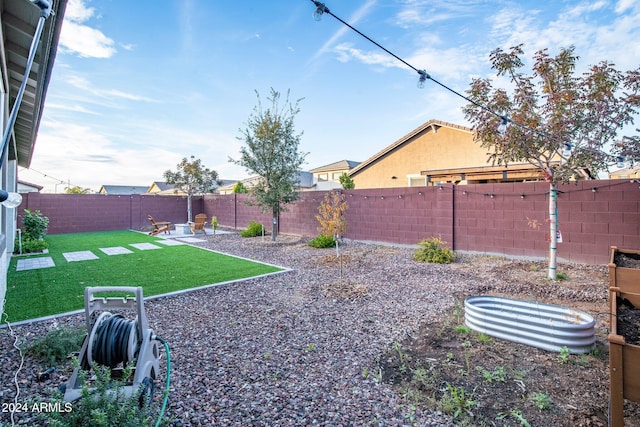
(560, 122)
(76, 190)
(271, 151)
(346, 181)
(192, 178)
(331, 215)
(240, 188)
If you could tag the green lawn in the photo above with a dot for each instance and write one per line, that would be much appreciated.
(42, 292)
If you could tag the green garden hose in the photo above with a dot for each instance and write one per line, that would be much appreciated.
(167, 381)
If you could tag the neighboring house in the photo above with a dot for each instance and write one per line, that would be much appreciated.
(626, 173)
(225, 183)
(19, 20)
(122, 190)
(27, 187)
(436, 152)
(165, 189)
(332, 171)
(305, 183)
(160, 187)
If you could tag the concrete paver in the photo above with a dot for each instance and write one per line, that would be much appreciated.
(34, 263)
(145, 246)
(116, 250)
(79, 256)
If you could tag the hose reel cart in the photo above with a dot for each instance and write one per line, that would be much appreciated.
(114, 341)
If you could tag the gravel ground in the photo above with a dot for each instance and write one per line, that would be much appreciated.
(291, 349)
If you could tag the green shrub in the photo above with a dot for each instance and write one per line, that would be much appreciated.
(34, 225)
(323, 241)
(433, 250)
(56, 346)
(30, 246)
(253, 229)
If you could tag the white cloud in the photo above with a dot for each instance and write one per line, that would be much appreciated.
(577, 26)
(357, 16)
(81, 156)
(624, 5)
(85, 85)
(346, 53)
(78, 38)
(77, 11)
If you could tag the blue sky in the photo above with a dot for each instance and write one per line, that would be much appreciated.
(138, 85)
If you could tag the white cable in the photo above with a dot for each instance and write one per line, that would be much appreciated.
(15, 375)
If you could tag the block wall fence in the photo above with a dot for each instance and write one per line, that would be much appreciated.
(508, 219)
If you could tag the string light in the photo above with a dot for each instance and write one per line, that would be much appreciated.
(503, 125)
(321, 9)
(423, 76)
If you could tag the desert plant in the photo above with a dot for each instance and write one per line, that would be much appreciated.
(214, 223)
(515, 414)
(56, 346)
(253, 229)
(457, 402)
(499, 374)
(434, 250)
(541, 400)
(564, 355)
(323, 241)
(104, 405)
(462, 329)
(331, 215)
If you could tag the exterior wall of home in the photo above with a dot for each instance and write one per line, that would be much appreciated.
(506, 218)
(329, 175)
(446, 148)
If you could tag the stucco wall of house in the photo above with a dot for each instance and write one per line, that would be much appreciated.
(446, 148)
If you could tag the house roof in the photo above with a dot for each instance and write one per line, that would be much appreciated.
(27, 185)
(625, 172)
(305, 180)
(225, 182)
(19, 22)
(341, 164)
(123, 189)
(163, 186)
(431, 124)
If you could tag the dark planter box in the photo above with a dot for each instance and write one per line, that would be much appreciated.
(624, 358)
